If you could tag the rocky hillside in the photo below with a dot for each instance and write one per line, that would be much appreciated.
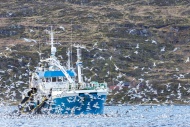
(143, 43)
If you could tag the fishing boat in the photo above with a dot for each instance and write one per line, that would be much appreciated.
(58, 89)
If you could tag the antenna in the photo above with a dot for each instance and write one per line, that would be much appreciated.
(39, 48)
(51, 33)
(53, 49)
(71, 52)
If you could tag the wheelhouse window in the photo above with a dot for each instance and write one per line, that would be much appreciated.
(53, 79)
(60, 79)
(43, 79)
(64, 79)
(48, 79)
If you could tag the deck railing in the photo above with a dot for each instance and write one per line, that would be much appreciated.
(70, 87)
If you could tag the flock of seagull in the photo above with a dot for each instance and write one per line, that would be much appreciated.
(10, 91)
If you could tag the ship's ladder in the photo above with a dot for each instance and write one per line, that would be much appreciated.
(23, 105)
(39, 106)
(45, 98)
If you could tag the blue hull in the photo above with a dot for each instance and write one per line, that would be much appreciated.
(82, 104)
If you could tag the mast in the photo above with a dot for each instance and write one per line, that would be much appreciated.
(79, 63)
(53, 49)
(71, 53)
(54, 62)
(69, 59)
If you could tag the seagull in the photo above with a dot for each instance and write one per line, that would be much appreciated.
(8, 49)
(106, 64)
(31, 30)
(110, 58)
(91, 68)
(147, 82)
(128, 56)
(34, 41)
(100, 57)
(20, 60)
(89, 79)
(116, 68)
(63, 28)
(131, 31)
(119, 76)
(175, 49)
(155, 99)
(29, 40)
(187, 60)
(179, 85)
(163, 49)
(154, 65)
(168, 85)
(95, 44)
(57, 56)
(136, 52)
(135, 67)
(137, 46)
(141, 79)
(181, 76)
(95, 55)
(47, 31)
(154, 42)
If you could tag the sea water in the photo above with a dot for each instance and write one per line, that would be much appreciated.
(114, 116)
